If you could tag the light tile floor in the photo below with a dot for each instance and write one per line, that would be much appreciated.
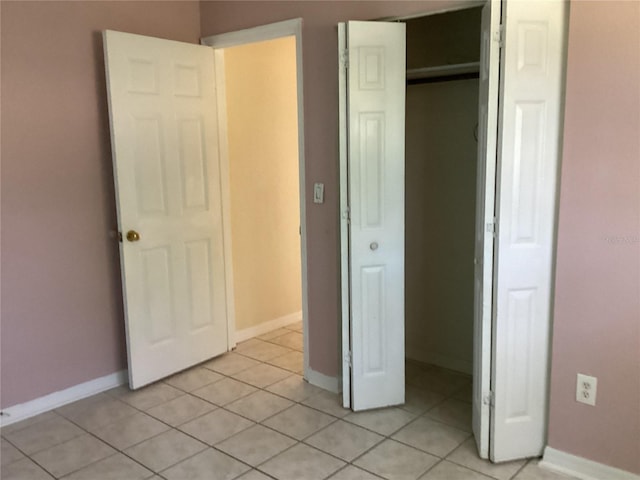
(249, 415)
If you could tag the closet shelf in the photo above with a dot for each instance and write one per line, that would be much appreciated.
(443, 70)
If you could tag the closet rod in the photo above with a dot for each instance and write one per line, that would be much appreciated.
(443, 71)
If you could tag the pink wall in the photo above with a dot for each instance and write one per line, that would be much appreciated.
(321, 135)
(62, 318)
(597, 303)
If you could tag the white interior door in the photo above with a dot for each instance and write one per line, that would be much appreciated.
(375, 74)
(485, 221)
(164, 139)
(531, 71)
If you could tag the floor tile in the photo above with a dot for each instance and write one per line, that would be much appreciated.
(146, 397)
(130, 431)
(327, 402)
(207, 465)
(43, 435)
(452, 412)
(73, 455)
(274, 333)
(230, 363)
(255, 445)
(165, 450)
(532, 471)
(101, 411)
(395, 461)
(344, 440)
(252, 342)
(441, 381)
(254, 475)
(465, 393)
(193, 378)
(294, 362)
(467, 456)
(259, 405)
(294, 388)
(418, 400)
(431, 436)
(180, 410)
(115, 467)
(296, 327)
(262, 376)
(353, 473)
(14, 427)
(263, 351)
(450, 471)
(9, 453)
(292, 340)
(302, 462)
(299, 421)
(24, 469)
(384, 421)
(224, 392)
(216, 426)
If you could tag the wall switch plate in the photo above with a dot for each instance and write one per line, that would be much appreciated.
(586, 389)
(318, 193)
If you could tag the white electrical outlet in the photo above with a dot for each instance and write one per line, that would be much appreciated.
(586, 389)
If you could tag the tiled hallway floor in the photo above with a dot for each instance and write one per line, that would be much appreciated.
(249, 415)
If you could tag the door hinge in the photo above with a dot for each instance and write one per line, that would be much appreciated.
(344, 58)
(491, 227)
(498, 36)
(346, 215)
(348, 358)
(488, 399)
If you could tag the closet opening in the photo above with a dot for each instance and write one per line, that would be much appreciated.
(443, 55)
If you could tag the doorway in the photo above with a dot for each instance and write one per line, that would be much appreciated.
(259, 90)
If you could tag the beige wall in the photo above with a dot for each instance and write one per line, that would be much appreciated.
(597, 296)
(62, 319)
(263, 156)
(440, 222)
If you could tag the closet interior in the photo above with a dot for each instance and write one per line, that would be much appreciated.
(443, 53)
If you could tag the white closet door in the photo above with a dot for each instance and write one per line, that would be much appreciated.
(485, 205)
(165, 148)
(375, 119)
(530, 111)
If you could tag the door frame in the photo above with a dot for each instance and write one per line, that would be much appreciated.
(219, 42)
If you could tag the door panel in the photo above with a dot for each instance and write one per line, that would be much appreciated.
(375, 80)
(485, 211)
(165, 149)
(530, 114)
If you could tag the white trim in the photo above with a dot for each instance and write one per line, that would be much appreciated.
(269, 326)
(225, 190)
(259, 34)
(344, 221)
(582, 468)
(321, 380)
(422, 355)
(57, 399)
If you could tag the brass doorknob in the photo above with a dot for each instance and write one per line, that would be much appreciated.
(133, 236)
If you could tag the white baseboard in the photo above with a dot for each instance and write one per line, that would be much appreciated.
(321, 380)
(268, 326)
(57, 399)
(445, 361)
(582, 468)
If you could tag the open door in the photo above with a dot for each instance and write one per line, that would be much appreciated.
(530, 108)
(162, 109)
(485, 222)
(374, 69)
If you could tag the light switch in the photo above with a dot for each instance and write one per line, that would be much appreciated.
(318, 193)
